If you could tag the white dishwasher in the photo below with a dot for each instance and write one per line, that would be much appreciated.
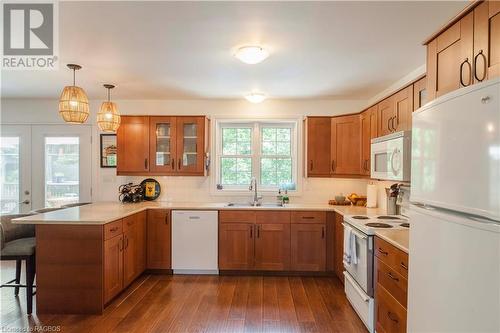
(195, 242)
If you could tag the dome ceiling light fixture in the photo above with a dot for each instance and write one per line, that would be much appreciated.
(255, 97)
(74, 103)
(251, 54)
(108, 117)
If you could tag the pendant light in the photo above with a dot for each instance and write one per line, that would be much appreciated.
(108, 117)
(73, 103)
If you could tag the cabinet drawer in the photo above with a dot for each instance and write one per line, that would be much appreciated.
(390, 315)
(128, 222)
(237, 216)
(393, 282)
(272, 217)
(308, 217)
(112, 229)
(392, 256)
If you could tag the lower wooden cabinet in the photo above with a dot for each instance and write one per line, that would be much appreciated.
(159, 239)
(236, 246)
(390, 315)
(113, 267)
(272, 246)
(308, 247)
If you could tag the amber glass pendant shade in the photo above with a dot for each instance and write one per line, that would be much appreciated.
(108, 117)
(74, 103)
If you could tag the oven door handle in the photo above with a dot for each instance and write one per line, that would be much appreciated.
(358, 234)
(355, 286)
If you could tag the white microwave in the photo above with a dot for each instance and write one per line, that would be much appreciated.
(391, 157)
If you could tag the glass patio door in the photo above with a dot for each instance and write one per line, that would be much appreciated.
(15, 169)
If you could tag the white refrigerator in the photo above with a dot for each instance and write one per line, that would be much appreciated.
(454, 273)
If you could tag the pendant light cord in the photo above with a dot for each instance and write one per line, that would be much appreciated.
(74, 76)
(109, 92)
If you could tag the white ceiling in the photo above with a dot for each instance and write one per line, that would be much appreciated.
(183, 50)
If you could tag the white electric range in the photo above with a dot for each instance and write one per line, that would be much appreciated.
(359, 259)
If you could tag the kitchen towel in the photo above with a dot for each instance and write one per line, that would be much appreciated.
(371, 194)
(347, 244)
(352, 246)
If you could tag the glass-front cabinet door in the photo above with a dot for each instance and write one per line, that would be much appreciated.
(162, 144)
(190, 150)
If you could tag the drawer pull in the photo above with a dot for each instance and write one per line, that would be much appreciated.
(404, 266)
(390, 315)
(308, 217)
(382, 251)
(393, 277)
(113, 229)
(323, 232)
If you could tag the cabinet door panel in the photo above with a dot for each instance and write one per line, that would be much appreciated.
(346, 152)
(162, 143)
(272, 246)
(113, 267)
(190, 145)
(487, 41)
(236, 246)
(419, 93)
(129, 256)
(318, 146)
(159, 239)
(368, 132)
(308, 246)
(133, 145)
(403, 107)
(385, 114)
(140, 250)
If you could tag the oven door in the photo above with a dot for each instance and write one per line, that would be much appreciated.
(362, 272)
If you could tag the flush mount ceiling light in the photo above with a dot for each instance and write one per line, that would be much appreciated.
(255, 97)
(251, 54)
(74, 103)
(108, 117)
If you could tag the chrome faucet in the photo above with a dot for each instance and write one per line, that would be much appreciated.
(253, 187)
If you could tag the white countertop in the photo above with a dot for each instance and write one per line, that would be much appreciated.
(104, 212)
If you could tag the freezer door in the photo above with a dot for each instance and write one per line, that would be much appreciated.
(454, 273)
(456, 151)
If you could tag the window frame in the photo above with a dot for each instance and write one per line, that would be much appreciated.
(256, 153)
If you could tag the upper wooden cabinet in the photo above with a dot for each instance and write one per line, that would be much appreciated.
(345, 146)
(132, 140)
(419, 93)
(368, 132)
(318, 146)
(162, 145)
(466, 52)
(403, 108)
(385, 116)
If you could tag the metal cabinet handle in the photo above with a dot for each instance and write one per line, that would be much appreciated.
(308, 217)
(311, 165)
(166, 219)
(126, 242)
(120, 246)
(146, 163)
(389, 124)
(113, 229)
(382, 252)
(333, 165)
(251, 232)
(393, 277)
(466, 61)
(323, 232)
(179, 164)
(26, 202)
(396, 118)
(390, 315)
(258, 231)
(404, 266)
(173, 163)
(484, 65)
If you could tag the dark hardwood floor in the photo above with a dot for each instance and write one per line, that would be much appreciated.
(162, 303)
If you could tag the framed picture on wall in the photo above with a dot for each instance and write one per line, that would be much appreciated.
(108, 150)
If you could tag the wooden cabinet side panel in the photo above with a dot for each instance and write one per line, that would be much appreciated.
(113, 267)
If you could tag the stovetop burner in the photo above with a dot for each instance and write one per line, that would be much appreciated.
(388, 217)
(378, 225)
(360, 217)
(405, 225)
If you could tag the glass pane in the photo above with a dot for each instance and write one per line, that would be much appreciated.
(276, 141)
(236, 170)
(236, 141)
(163, 144)
(189, 156)
(62, 171)
(9, 174)
(275, 171)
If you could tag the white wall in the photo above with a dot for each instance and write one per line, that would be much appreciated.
(105, 182)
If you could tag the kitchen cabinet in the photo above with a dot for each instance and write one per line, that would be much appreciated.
(134, 248)
(467, 51)
(391, 287)
(368, 132)
(345, 145)
(419, 93)
(159, 239)
(113, 267)
(132, 140)
(162, 145)
(385, 116)
(339, 247)
(236, 246)
(318, 146)
(403, 108)
(272, 246)
(308, 248)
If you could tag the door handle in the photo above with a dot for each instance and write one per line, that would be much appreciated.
(26, 202)
(392, 276)
(258, 231)
(173, 163)
(484, 65)
(391, 124)
(311, 165)
(179, 164)
(333, 165)
(145, 163)
(466, 61)
(323, 232)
